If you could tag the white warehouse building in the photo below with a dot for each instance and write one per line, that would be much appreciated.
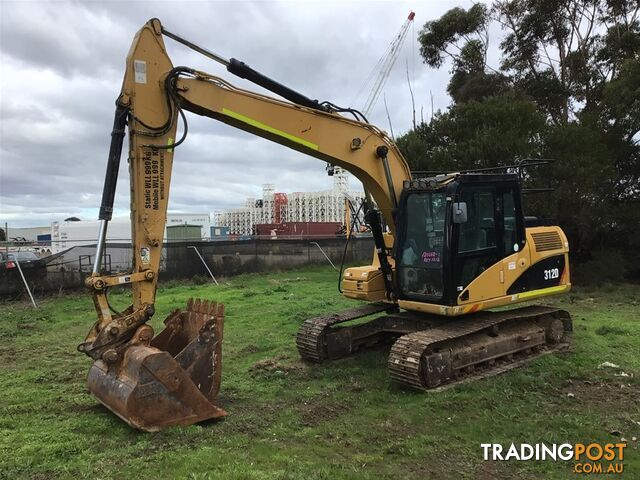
(65, 235)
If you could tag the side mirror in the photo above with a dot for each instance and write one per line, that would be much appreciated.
(459, 212)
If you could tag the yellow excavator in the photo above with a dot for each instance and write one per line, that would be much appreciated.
(447, 249)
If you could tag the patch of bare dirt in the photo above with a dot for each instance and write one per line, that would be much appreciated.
(616, 399)
(494, 470)
(45, 475)
(314, 413)
(613, 395)
(440, 465)
(77, 408)
(7, 353)
(452, 465)
(275, 367)
(249, 349)
(251, 418)
(26, 326)
(355, 385)
(69, 377)
(274, 281)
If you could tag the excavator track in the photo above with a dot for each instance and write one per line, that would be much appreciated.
(476, 346)
(432, 351)
(311, 337)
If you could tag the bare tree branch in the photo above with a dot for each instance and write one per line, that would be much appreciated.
(413, 101)
(386, 109)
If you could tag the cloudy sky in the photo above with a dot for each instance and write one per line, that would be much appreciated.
(61, 68)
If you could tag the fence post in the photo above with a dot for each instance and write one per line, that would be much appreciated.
(204, 263)
(24, 280)
(325, 255)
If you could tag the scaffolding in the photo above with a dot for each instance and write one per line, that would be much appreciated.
(278, 207)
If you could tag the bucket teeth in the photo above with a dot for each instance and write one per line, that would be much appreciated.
(205, 307)
(174, 379)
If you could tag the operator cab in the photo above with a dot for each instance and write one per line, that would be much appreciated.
(450, 229)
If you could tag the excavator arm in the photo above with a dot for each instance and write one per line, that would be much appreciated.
(153, 98)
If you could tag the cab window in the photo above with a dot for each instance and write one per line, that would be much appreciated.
(478, 232)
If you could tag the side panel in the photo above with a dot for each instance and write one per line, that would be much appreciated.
(549, 251)
(483, 305)
(364, 283)
(543, 274)
(537, 266)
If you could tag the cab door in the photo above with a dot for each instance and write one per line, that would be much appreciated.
(477, 241)
(420, 247)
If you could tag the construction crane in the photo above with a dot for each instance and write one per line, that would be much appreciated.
(385, 65)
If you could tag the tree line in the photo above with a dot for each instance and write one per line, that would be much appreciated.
(566, 87)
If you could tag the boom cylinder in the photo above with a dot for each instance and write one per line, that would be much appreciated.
(113, 163)
(110, 181)
(102, 238)
(243, 70)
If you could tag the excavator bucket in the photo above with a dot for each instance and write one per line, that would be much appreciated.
(171, 379)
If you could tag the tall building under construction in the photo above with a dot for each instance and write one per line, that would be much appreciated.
(276, 208)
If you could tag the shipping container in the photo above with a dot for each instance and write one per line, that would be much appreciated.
(299, 229)
(184, 233)
(220, 233)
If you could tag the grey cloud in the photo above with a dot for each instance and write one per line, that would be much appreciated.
(64, 37)
(62, 65)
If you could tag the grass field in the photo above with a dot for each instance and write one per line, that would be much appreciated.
(292, 420)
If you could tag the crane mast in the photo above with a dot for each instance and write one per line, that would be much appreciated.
(386, 63)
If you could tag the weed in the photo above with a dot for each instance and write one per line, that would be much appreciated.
(607, 330)
(200, 280)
